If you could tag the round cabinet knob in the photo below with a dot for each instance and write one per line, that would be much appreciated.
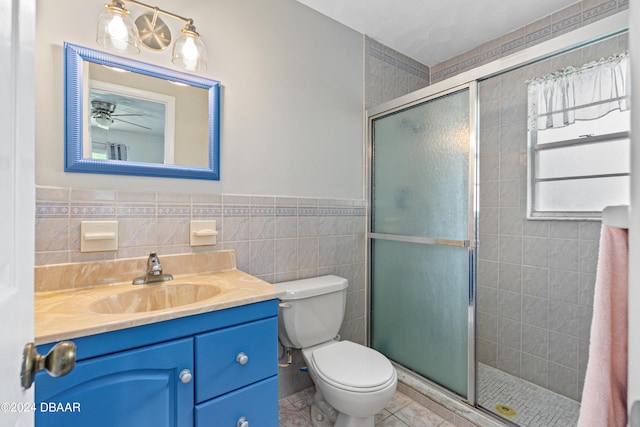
(242, 359)
(185, 376)
(242, 422)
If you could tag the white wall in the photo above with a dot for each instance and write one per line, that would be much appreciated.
(292, 97)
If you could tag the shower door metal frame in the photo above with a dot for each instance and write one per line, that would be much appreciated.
(404, 103)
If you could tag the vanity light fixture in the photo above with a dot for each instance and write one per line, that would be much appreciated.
(117, 32)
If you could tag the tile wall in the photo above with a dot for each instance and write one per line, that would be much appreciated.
(390, 74)
(535, 278)
(568, 19)
(275, 238)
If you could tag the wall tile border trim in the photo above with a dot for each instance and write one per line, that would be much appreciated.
(245, 222)
(397, 63)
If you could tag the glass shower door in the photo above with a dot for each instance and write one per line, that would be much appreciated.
(421, 237)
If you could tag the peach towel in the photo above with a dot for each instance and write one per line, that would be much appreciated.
(604, 398)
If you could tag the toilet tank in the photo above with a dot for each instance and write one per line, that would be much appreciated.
(311, 310)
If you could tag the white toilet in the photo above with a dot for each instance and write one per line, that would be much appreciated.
(353, 382)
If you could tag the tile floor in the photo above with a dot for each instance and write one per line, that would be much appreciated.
(534, 406)
(400, 412)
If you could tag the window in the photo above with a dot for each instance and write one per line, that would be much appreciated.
(579, 147)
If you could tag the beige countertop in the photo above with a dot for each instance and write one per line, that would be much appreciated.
(67, 313)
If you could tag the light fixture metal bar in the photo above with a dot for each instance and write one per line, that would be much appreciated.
(164, 12)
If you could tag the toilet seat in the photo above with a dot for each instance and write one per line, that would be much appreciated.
(353, 367)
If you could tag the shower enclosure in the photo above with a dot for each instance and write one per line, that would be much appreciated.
(467, 294)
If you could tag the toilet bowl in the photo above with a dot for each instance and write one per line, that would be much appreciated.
(353, 382)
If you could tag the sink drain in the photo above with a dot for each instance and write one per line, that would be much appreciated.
(505, 410)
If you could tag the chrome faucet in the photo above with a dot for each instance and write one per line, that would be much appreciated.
(154, 272)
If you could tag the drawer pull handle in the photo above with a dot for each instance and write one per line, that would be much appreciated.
(242, 359)
(242, 422)
(185, 376)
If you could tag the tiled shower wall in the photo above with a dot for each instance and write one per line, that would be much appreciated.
(390, 74)
(275, 238)
(536, 278)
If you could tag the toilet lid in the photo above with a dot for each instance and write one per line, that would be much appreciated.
(352, 365)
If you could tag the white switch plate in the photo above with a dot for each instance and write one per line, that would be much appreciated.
(202, 233)
(98, 236)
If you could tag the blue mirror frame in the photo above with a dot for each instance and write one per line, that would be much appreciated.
(75, 162)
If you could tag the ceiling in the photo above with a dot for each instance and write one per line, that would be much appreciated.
(431, 31)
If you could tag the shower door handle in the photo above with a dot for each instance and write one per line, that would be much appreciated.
(419, 239)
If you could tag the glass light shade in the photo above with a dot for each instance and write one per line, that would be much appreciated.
(189, 52)
(116, 31)
(103, 121)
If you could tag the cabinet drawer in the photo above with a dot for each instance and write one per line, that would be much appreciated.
(217, 369)
(257, 403)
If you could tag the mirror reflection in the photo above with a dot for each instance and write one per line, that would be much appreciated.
(134, 117)
(128, 117)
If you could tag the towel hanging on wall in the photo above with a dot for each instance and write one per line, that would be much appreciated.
(604, 397)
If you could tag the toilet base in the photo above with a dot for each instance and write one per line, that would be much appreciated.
(319, 419)
(324, 415)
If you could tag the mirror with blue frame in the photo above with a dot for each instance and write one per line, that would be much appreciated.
(127, 117)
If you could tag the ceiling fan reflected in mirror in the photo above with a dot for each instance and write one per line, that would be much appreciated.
(102, 113)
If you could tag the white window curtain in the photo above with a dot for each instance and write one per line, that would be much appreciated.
(586, 93)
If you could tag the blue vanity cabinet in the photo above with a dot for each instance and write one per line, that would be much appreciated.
(133, 388)
(136, 376)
